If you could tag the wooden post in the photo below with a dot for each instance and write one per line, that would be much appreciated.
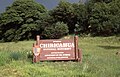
(80, 55)
(76, 47)
(38, 40)
(33, 53)
(36, 51)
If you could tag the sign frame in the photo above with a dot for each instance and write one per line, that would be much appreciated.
(56, 50)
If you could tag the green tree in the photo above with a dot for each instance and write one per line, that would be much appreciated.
(104, 18)
(115, 18)
(71, 14)
(64, 12)
(56, 30)
(81, 15)
(20, 20)
(100, 19)
(106, 1)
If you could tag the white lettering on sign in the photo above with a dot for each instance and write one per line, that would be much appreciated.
(56, 52)
(56, 45)
(49, 49)
(56, 57)
(63, 48)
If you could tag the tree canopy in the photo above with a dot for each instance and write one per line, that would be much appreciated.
(20, 20)
(25, 19)
(104, 18)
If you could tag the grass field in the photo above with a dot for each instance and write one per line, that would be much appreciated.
(99, 60)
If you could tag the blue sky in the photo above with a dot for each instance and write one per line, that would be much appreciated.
(49, 4)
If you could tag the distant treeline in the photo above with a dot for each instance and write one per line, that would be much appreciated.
(25, 19)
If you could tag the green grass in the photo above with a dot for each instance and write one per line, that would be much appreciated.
(99, 60)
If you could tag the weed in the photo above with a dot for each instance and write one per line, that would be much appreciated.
(99, 60)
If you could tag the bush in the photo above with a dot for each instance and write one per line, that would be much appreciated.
(15, 55)
(56, 30)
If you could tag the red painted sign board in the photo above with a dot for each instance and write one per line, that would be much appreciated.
(56, 50)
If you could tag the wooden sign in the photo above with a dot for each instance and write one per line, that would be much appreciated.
(56, 50)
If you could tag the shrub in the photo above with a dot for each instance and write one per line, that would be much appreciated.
(15, 55)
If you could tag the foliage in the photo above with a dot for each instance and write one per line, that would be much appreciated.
(99, 60)
(25, 19)
(19, 21)
(102, 19)
(56, 30)
(16, 55)
(100, 23)
(115, 19)
(82, 17)
(9, 56)
(71, 14)
(4, 58)
(64, 12)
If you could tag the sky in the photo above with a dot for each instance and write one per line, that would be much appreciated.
(49, 4)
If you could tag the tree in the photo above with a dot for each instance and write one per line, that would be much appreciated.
(19, 21)
(71, 14)
(81, 15)
(115, 18)
(104, 19)
(100, 20)
(56, 30)
(106, 1)
(64, 12)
